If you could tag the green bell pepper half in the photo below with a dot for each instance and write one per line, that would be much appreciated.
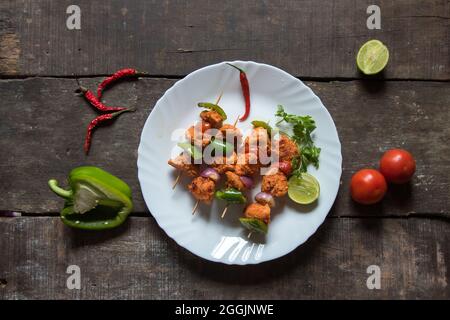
(96, 199)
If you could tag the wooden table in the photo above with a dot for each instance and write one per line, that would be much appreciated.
(43, 122)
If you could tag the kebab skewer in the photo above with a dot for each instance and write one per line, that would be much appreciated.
(274, 184)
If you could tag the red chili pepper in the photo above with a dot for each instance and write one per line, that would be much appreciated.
(116, 76)
(97, 121)
(96, 103)
(245, 91)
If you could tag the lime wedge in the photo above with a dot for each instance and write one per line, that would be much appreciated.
(304, 189)
(372, 57)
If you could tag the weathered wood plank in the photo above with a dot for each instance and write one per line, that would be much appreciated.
(306, 38)
(138, 261)
(43, 124)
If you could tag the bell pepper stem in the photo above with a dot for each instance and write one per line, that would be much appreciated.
(53, 184)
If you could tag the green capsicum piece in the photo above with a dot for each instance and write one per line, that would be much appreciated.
(221, 147)
(231, 195)
(192, 150)
(254, 225)
(213, 107)
(262, 124)
(96, 199)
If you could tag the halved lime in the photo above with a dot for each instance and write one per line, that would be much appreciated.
(304, 189)
(372, 57)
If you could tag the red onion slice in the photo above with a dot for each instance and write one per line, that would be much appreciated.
(247, 181)
(265, 198)
(211, 174)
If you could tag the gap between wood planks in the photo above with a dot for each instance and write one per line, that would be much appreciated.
(426, 215)
(178, 77)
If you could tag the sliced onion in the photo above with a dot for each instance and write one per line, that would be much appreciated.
(265, 198)
(247, 181)
(211, 174)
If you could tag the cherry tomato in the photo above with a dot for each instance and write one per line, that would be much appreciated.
(397, 166)
(285, 167)
(368, 186)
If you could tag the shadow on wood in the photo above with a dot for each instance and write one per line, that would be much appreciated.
(253, 274)
(80, 238)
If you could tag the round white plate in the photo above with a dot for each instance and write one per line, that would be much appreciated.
(205, 233)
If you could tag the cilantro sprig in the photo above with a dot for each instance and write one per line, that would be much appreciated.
(302, 127)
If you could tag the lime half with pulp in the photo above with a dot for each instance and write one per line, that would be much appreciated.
(372, 57)
(304, 189)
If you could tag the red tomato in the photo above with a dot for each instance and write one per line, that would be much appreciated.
(397, 166)
(285, 167)
(368, 186)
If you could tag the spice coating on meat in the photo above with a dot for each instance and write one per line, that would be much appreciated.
(259, 144)
(231, 134)
(258, 211)
(224, 164)
(247, 165)
(287, 149)
(275, 184)
(213, 118)
(202, 189)
(198, 134)
(183, 163)
(234, 181)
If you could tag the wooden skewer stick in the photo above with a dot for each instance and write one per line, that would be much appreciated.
(224, 211)
(235, 123)
(220, 97)
(177, 180)
(249, 235)
(195, 207)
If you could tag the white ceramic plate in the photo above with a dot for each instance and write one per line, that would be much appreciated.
(206, 234)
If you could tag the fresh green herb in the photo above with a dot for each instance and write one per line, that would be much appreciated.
(302, 127)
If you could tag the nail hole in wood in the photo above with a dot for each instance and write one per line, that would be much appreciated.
(3, 283)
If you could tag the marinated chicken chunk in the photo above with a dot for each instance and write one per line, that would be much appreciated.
(224, 164)
(231, 133)
(247, 165)
(198, 134)
(258, 211)
(202, 189)
(259, 144)
(234, 181)
(184, 163)
(287, 149)
(213, 118)
(275, 184)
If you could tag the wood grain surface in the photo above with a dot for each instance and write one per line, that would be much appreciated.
(43, 124)
(306, 38)
(139, 261)
(47, 122)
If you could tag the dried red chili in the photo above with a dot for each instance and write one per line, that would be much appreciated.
(96, 103)
(97, 121)
(245, 91)
(116, 76)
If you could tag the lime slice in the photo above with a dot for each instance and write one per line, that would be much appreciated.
(372, 57)
(304, 189)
